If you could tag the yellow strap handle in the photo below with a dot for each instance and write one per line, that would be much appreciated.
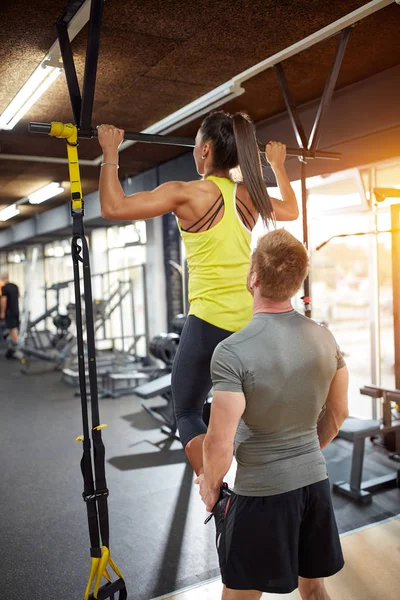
(98, 570)
(70, 133)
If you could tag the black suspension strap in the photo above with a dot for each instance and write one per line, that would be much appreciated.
(95, 491)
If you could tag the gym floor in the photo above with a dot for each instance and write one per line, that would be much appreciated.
(361, 578)
(157, 534)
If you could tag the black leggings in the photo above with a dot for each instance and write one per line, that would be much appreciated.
(191, 378)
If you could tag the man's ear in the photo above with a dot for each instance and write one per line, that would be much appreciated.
(254, 281)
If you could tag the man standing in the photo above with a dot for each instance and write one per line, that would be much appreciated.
(283, 379)
(9, 309)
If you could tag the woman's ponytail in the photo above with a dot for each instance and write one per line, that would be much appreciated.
(250, 165)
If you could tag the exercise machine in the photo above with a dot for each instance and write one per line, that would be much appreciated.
(357, 431)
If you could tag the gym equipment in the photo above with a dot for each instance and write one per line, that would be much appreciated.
(93, 467)
(389, 403)
(37, 342)
(178, 323)
(160, 387)
(357, 431)
(44, 346)
(164, 347)
(117, 367)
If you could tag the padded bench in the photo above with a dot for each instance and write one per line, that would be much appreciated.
(356, 431)
(156, 387)
(160, 387)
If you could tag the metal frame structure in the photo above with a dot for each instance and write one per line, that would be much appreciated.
(82, 105)
(395, 225)
(308, 148)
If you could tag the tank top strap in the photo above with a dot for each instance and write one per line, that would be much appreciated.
(227, 187)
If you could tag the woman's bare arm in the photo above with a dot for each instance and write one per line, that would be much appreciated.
(115, 205)
(287, 208)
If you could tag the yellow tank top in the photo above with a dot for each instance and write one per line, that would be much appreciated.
(218, 260)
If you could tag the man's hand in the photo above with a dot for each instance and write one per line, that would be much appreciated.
(208, 495)
(2, 316)
(276, 154)
(110, 138)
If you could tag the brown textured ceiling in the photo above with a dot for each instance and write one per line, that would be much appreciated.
(156, 56)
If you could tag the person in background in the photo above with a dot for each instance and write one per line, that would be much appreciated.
(280, 396)
(9, 310)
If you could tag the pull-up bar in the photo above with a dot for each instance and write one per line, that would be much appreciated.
(147, 138)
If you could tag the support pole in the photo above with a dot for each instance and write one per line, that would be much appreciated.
(395, 225)
(291, 107)
(69, 71)
(92, 56)
(373, 268)
(306, 297)
(329, 89)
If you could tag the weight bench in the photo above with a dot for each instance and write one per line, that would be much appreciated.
(159, 387)
(112, 380)
(356, 431)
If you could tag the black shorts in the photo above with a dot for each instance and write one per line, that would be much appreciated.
(12, 321)
(266, 543)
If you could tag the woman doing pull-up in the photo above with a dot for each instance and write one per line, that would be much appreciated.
(215, 218)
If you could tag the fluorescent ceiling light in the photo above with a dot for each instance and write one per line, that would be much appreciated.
(40, 80)
(9, 213)
(197, 108)
(190, 112)
(46, 192)
(45, 74)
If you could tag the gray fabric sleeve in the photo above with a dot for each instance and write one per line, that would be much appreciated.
(226, 370)
(339, 357)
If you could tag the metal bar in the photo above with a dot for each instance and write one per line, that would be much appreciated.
(357, 463)
(75, 21)
(102, 296)
(329, 89)
(386, 410)
(121, 314)
(138, 137)
(306, 287)
(374, 303)
(70, 71)
(70, 12)
(146, 311)
(147, 138)
(291, 107)
(382, 193)
(133, 312)
(92, 57)
(395, 225)
(344, 235)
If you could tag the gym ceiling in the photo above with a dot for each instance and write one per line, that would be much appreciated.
(157, 56)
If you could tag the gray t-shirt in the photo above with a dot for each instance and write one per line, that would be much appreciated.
(284, 363)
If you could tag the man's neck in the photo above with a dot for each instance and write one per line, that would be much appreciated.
(264, 305)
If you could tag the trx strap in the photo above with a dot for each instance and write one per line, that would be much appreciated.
(95, 492)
